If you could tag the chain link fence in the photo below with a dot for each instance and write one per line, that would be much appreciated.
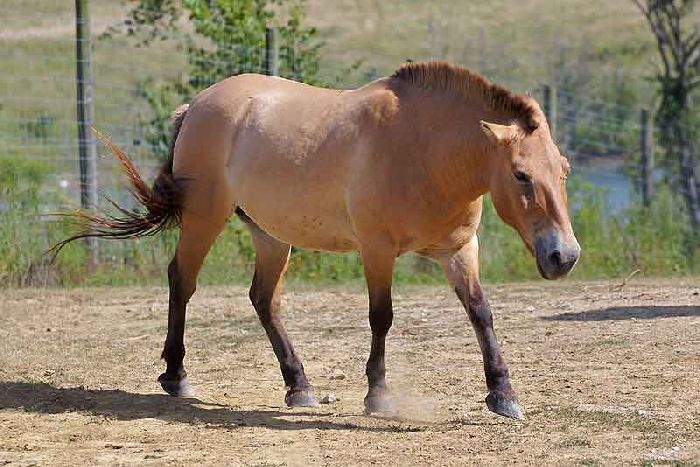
(38, 117)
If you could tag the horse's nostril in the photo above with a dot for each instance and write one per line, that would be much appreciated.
(555, 258)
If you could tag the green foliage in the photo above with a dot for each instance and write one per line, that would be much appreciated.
(656, 240)
(20, 182)
(501, 252)
(40, 127)
(225, 37)
(161, 98)
(23, 235)
(228, 39)
(229, 36)
(235, 32)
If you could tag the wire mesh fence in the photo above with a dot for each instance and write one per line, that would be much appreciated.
(38, 117)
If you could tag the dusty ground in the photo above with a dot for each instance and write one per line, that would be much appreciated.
(605, 375)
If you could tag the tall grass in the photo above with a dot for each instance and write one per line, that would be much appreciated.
(24, 234)
(655, 240)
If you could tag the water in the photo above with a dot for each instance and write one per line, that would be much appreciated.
(618, 186)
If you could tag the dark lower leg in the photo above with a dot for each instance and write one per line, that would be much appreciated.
(462, 270)
(173, 380)
(378, 399)
(501, 398)
(380, 319)
(495, 368)
(268, 313)
(271, 258)
(378, 266)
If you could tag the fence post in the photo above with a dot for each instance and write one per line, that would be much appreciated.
(549, 95)
(647, 155)
(272, 52)
(86, 139)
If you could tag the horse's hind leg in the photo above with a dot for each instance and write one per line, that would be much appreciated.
(271, 258)
(197, 235)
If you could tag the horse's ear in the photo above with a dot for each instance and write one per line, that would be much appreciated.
(500, 134)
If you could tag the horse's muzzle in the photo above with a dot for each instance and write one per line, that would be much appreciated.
(556, 253)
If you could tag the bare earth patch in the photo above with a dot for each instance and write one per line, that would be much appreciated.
(605, 375)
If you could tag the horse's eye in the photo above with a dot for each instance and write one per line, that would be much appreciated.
(522, 177)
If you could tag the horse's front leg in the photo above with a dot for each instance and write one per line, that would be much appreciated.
(378, 261)
(462, 270)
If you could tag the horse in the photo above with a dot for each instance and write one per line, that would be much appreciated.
(398, 165)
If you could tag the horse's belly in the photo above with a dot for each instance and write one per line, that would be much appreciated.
(289, 169)
(314, 230)
(300, 207)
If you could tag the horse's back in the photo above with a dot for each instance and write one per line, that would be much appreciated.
(285, 150)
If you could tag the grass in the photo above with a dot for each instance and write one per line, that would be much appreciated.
(671, 463)
(530, 37)
(655, 432)
(650, 240)
(541, 40)
(575, 443)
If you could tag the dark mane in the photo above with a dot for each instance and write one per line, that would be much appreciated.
(442, 76)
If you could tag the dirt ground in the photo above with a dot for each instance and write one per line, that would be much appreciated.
(606, 375)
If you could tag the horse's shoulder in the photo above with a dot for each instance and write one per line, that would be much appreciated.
(380, 104)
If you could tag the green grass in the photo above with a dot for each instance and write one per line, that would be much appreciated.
(647, 239)
(512, 41)
(588, 44)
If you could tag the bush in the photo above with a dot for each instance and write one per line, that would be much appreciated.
(24, 235)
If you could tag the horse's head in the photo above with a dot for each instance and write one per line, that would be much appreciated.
(528, 189)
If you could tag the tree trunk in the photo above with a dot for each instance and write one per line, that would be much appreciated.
(689, 178)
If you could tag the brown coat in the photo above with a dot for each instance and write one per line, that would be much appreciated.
(398, 165)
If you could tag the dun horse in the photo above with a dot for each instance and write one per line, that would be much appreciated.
(399, 165)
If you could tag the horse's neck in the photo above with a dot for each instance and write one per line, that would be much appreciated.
(455, 148)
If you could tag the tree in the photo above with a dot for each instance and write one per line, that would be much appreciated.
(678, 44)
(225, 38)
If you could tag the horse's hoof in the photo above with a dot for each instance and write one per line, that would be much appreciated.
(507, 406)
(176, 387)
(380, 405)
(300, 398)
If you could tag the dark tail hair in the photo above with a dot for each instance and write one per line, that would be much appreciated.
(162, 202)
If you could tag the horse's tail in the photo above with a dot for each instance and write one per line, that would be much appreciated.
(162, 202)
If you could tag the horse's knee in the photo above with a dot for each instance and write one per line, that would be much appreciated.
(479, 311)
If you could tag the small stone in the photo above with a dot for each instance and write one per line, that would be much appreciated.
(337, 376)
(328, 399)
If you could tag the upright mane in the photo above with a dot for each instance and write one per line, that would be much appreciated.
(442, 76)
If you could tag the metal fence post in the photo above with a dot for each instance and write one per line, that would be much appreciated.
(272, 52)
(646, 158)
(549, 95)
(86, 139)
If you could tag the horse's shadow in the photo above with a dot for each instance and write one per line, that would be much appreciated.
(122, 405)
(628, 312)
